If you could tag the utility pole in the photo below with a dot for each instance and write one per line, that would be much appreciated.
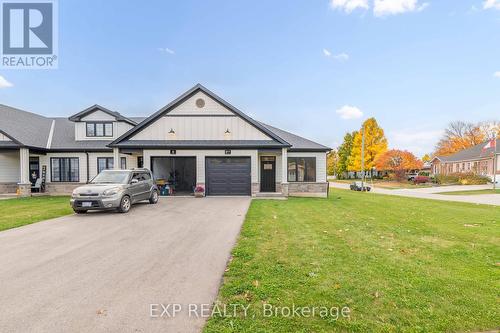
(363, 157)
(495, 158)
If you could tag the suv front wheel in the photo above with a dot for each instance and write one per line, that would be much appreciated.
(154, 197)
(125, 204)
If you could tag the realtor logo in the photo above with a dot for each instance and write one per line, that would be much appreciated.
(29, 34)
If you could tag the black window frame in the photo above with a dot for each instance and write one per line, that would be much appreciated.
(71, 160)
(306, 176)
(107, 163)
(95, 123)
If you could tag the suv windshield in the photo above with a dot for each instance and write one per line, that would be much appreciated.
(111, 177)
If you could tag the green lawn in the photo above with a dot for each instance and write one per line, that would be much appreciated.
(491, 191)
(399, 264)
(17, 212)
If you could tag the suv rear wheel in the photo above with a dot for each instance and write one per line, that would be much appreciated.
(125, 204)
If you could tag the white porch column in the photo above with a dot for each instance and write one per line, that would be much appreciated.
(24, 166)
(24, 172)
(116, 159)
(284, 171)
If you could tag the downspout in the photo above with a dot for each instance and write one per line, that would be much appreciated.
(88, 168)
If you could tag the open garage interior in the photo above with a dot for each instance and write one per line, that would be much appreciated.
(174, 175)
(228, 175)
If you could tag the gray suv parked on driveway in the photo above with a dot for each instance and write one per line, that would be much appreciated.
(115, 189)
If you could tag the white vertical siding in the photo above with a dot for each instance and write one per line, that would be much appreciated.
(119, 128)
(98, 116)
(200, 159)
(320, 163)
(9, 167)
(211, 107)
(201, 128)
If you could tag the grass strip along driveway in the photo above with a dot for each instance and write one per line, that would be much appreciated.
(473, 192)
(399, 264)
(17, 212)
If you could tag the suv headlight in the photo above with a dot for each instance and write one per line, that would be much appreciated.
(111, 191)
(74, 194)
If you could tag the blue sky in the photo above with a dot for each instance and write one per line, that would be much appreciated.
(303, 66)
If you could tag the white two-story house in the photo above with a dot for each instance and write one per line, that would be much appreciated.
(196, 140)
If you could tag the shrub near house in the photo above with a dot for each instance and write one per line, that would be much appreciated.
(462, 178)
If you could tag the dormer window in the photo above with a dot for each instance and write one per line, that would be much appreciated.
(99, 129)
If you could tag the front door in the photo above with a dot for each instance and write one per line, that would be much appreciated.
(268, 174)
(34, 169)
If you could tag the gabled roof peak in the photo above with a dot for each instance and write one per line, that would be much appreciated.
(183, 97)
(96, 107)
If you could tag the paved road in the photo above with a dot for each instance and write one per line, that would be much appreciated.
(101, 271)
(431, 193)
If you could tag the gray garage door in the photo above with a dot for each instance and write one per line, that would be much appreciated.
(228, 175)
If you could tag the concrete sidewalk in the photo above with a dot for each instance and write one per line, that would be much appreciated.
(431, 193)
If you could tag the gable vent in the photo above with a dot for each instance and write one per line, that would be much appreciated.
(200, 102)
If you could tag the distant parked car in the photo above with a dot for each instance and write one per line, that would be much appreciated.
(115, 189)
(411, 176)
(357, 186)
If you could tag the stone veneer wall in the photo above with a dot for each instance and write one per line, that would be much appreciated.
(8, 188)
(61, 188)
(308, 189)
(255, 188)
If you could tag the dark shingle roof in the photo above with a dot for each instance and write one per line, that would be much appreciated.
(64, 138)
(27, 128)
(33, 130)
(472, 153)
(297, 142)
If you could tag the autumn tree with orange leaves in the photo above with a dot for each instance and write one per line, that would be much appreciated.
(461, 135)
(398, 161)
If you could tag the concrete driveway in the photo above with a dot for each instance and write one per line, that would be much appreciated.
(432, 193)
(101, 272)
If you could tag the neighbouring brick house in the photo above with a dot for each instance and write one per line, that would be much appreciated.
(474, 159)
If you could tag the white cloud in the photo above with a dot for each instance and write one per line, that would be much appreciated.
(491, 4)
(393, 7)
(349, 5)
(417, 141)
(341, 56)
(497, 74)
(166, 50)
(349, 112)
(4, 83)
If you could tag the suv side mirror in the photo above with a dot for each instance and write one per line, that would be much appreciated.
(134, 181)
